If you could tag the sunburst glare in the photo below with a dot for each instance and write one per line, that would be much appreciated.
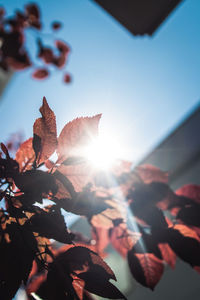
(103, 151)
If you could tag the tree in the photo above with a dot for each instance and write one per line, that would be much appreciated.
(14, 54)
(124, 207)
(133, 221)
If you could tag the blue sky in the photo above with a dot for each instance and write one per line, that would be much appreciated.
(143, 86)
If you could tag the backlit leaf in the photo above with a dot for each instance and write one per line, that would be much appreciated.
(45, 129)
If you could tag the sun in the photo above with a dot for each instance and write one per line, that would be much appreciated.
(103, 152)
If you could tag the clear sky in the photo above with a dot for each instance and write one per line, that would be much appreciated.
(143, 86)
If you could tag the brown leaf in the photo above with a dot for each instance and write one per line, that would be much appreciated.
(45, 129)
(25, 155)
(75, 135)
(146, 268)
(168, 254)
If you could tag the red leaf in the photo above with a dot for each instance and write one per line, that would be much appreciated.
(60, 61)
(25, 155)
(62, 46)
(45, 129)
(47, 55)
(168, 255)
(191, 191)
(67, 78)
(76, 134)
(40, 73)
(146, 268)
(149, 173)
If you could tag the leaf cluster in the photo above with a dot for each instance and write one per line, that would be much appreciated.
(125, 208)
(13, 51)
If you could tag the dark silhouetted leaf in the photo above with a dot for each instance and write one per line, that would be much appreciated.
(95, 283)
(35, 184)
(51, 225)
(56, 25)
(190, 215)
(185, 243)
(16, 257)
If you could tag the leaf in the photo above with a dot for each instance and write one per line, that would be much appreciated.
(92, 269)
(77, 257)
(80, 175)
(33, 14)
(40, 73)
(25, 155)
(67, 78)
(62, 46)
(65, 187)
(191, 191)
(45, 53)
(116, 210)
(51, 225)
(76, 134)
(123, 239)
(56, 25)
(16, 257)
(168, 254)
(5, 150)
(149, 173)
(190, 215)
(146, 268)
(185, 243)
(85, 203)
(35, 184)
(96, 284)
(45, 129)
